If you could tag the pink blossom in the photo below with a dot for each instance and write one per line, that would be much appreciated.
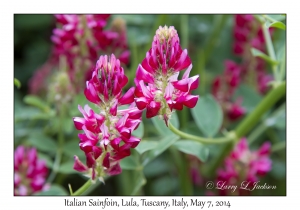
(235, 111)
(248, 34)
(107, 136)
(263, 82)
(77, 42)
(224, 87)
(245, 165)
(158, 89)
(29, 171)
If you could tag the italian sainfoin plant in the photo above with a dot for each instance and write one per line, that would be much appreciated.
(158, 89)
(244, 165)
(107, 133)
(29, 172)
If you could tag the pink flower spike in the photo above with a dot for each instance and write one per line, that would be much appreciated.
(243, 164)
(108, 132)
(30, 172)
(157, 82)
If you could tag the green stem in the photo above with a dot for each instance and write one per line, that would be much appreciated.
(184, 26)
(59, 152)
(70, 189)
(282, 66)
(252, 119)
(269, 18)
(269, 43)
(210, 170)
(248, 123)
(272, 135)
(83, 188)
(56, 164)
(257, 132)
(134, 62)
(264, 125)
(183, 168)
(213, 38)
(94, 186)
(278, 146)
(270, 50)
(202, 140)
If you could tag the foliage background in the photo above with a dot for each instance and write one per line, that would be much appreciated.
(198, 33)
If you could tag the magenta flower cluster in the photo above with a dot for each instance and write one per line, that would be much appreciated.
(243, 165)
(247, 34)
(158, 89)
(224, 87)
(29, 172)
(80, 39)
(107, 136)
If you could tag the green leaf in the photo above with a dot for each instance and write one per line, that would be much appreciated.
(145, 145)
(37, 102)
(160, 124)
(192, 148)
(258, 53)
(32, 113)
(278, 119)
(139, 182)
(67, 168)
(162, 145)
(165, 185)
(282, 57)
(139, 132)
(277, 17)
(208, 115)
(17, 83)
(47, 159)
(129, 163)
(276, 24)
(281, 120)
(53, 190)
(68, 125)
(157, 167)
(250, 98)
(278, 170)
(42, 142)
(72, 148)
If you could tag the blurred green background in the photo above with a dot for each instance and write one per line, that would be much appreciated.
(211, 34)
